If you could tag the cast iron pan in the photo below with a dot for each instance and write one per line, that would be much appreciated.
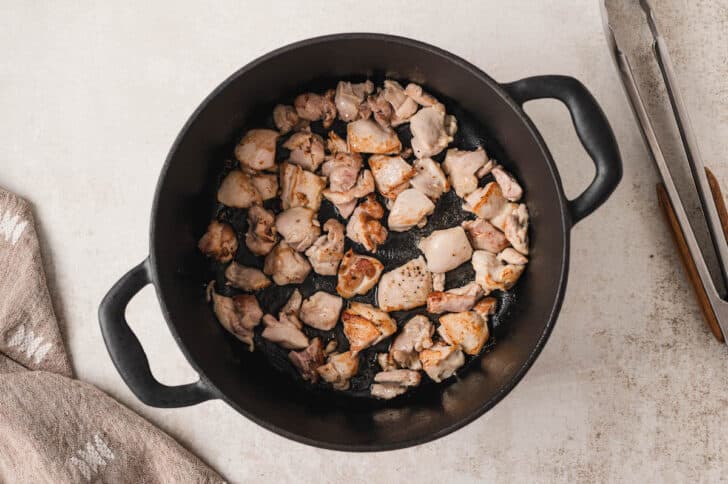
(260, 385)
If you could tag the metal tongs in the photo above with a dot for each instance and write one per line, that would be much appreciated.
(712, 303)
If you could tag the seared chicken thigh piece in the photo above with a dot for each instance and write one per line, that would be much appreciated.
(286, 118)
(342, 170)
(415, 92)
(286, 266)
(335, 143)
(350, 97)
(391, 174)
(364, 227)
(380, 109)
(409, 209)
(438, 281)
(219, 241)
(389, 384)
(509, 186)
(257, 149)
(462, 167)
(237, 190)
(446, 249)
(345, 201)
(314, 107)
(515, 227)
(246, 278)
(365, 325)
(492, 274)
(339, 369)
(405, 287)
(366, 136)
(486, 202)
(512, 256)
(402, 105)
(357, 274)
(466, 329)
(430, 179)
(266, 184)
(321, 310)
(308, 360)
(432, 131)
(299, 227)
(261, 235)
(307, 150)
(328, 250)
(239, 314)
(484, 236)
(441, 361)
(455, 300)
(300, 188)
(416, 335)
(283, 333)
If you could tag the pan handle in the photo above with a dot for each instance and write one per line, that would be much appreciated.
(592, 128)
(128, 355)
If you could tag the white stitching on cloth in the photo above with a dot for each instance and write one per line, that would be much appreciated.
(92, 458)
(26, 341)
(11, 226)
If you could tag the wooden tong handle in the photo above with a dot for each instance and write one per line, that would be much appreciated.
(682, 247)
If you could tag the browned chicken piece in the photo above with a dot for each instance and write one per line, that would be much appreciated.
(339, 369)
(314, 107)
(300, 188)
(410, 209)
(257, 149)
(308, 360)
(403, 106)
(366, 136)
(292, 308)
(416, 335)
(286, 266)
(328, 250)
(345, 201)
(364, 226)
(349, 98)
(331, 347)
(455, 300)
(509, 186)
(365, 325)
(422, 98)
(342, 170)
(466, 329)
(380, 109)
(405, 287)
(486, 202)
(441, 361)
(492, 274)
(299, 227)
(430, 179)
(335, 143)
(237, 190)
(432, 131)
(446, 249)
(266, 184)
(486, 169)
(358, 274)
(307, 150)
(512, 256)
(484, 236)
(386, 362)
(246, 278)
(462, 168)
(219, 241)
(485, 307)
(238, 314)
(283, 333)
(261, 235)
(515, 226)
(391, 174)
(438, 281)
(390, 384)
(321, 310)
(286, 119)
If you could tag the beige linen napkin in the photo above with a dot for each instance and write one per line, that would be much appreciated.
(54, 428)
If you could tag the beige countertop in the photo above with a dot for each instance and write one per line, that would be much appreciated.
(631, 385)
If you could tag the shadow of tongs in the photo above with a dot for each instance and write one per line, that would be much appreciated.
(712, 304)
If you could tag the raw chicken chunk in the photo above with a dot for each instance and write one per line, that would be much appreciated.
(484, 236)
(410, 209)
(237, 190)
(257, 149)
(307, 150)
(283, 333)
(261, 235)
(492, 274)
(405, 287)
(308, 360)
(286, 266)
(339, 369)
(366, 136)
(455, 300)
(219, 241)
(364, 227)
(299, 227)
(321, 310)
(328, 250)
(238, 314)
(462, 167)
(365, 325)
(466, 329)
(246, 278)
(391, 174)
(390, 384)
(432, 131)
(415, 336)
(430, 179)
(300, 188)
(314, 107)
(441, 361)
(509, 186)
(350, 97)
(446, 249)
(357, 274)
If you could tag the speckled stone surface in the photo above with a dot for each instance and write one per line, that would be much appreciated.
(631, 386)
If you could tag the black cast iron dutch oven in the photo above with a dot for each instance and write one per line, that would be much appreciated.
(183, 204)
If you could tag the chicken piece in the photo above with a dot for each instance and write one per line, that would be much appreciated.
(430, 179)
(509, 186)
(462, 168)
(484, 236)
(246, 278)
(391, 174)
(349, 98)
(339, 369)
(438, 281)
(446, 249)
(342, 170)
(283, 333)
(286, 266)
(382, 111)
(466, 329)
(512, 256)
(405, 287)
(416, 93)
(257, 149)
(365, 325)
(357, 274)
(238, 314)
(300, 188)
(299, 227)
(416, 335)
(219, 241)
(515, 227)
(386, 362)
(485, 307)
(261, 235)
(345, 201)
(308, 360)
(390, 384)
(486, 202)
(286, 119)
(409, 209)
(402, 105)
(237, 190)
(321, 310)
(366, 136)
(314, 107)
(330, 347)
(335, 143)
(289, 312)
(364, 227)
(328, 250)
(432, 131)
(266, 184)
(486, 169)
(307, 150)
(492, 274)
(441, 361)
(455, 300)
